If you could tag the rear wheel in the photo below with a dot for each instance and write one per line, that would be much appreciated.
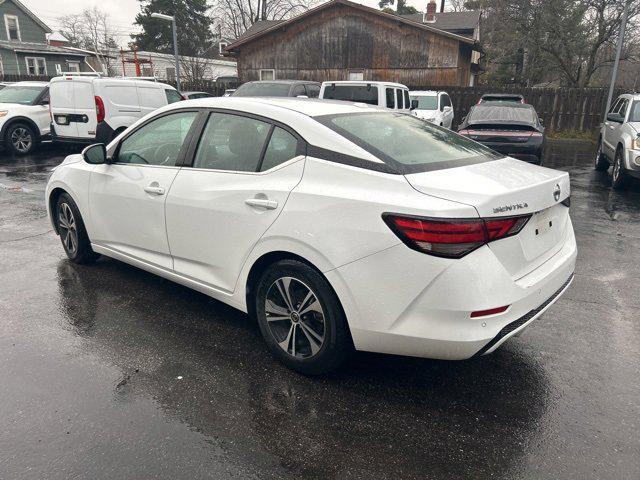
(619, 176)
(21, 139)
(601, 163)
(301, 319)
(73, 235)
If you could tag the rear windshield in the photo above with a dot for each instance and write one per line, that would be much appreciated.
(20, 94)
(426, 102)
(263, 90)
(352, 93)
(406, 142)
(501, 114)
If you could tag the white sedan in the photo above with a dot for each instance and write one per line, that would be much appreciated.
(335, 225)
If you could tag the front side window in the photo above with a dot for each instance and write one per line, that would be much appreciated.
(615, 105)
(406, 142)
(36, 66)
(391, 99)
(634, 114)
(313, 90)
(282, 147)
(173, 96)
(445, 101)
(13, 27)
(352, 93)
(622, 108)
(158, 142)
(299, 90)
(231, 142)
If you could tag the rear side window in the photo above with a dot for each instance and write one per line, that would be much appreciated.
(406, 99)
(282, 147)
(407, 143)
(172, 96)
(313, 90)
(398, 98)
(352, 93)
(391, 100)
(231, 142)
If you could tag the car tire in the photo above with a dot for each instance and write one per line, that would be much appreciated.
(21, 139)
(73, 234)
(301, 318)
(601, 163)
(619, 175)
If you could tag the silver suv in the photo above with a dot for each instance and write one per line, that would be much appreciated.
(619, 141)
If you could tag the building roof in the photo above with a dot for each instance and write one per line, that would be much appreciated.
(450, 21)
(258, 27)
(264, 29)
(42, 48)
(28, 12)
(57, 37)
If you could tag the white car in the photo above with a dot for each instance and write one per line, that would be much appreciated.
(24, 116)
(619, 141)
(383, 94)
(334, 224)
(90, 109)
(432, 106)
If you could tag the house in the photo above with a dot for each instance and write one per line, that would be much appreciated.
(23, 45)
(342, 40)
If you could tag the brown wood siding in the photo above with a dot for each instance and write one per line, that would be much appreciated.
(327, 45)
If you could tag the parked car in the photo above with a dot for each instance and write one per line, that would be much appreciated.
(510, 128)
(619, 141)
(193, 95)
(89, 109)
(278, 88)
(502, 97)
(433, 106)
(333, 224)
(383, 94)
(24, 116)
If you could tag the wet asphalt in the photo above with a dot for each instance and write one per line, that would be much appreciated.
(108, 372)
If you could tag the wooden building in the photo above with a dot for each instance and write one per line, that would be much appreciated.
(342, 40)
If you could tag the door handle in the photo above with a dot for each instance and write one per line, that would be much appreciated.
(262, 203)
(153, 190)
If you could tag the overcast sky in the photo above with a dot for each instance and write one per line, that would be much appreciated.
(121, 12)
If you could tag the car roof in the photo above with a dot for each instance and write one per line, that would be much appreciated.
(190, 92)
(503, 95)
(364, 82)
(288, 82)
(29, 84)
(430, 93)
(504, 105)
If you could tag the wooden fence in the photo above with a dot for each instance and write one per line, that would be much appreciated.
(575, 110)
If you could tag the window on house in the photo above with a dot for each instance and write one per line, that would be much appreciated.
(222, 46)
(268, 74)
(13, 27)
(356, 75)
(58, 69)
(36, 66)
(73, 66)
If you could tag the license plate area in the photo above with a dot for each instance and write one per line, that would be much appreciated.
(543, 222)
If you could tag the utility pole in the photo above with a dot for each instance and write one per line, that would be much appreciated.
(614, 73)
(172, 19)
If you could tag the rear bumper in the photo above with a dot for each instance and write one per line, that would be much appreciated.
(529, 152)
(403, 302)
(104, 134)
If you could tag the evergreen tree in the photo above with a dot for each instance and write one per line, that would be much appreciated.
(193, 25)
(403, 8)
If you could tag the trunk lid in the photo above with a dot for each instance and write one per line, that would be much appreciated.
(504, 188)
(499, 133)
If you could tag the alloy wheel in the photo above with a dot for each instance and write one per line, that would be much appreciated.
(68, 229)
(21, 139)
(295, 317)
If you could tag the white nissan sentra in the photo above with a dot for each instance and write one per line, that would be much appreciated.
(335, 225)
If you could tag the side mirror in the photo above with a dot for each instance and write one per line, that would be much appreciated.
(95, 154)
(44, 102)
(414, 104)
(615, 117)
(447, 109)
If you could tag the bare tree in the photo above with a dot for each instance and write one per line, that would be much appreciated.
(235, 16)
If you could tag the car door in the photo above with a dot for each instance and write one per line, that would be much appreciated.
(608, 132)
(127, 196)
(41, 112)
(242, 172)
(447, 110)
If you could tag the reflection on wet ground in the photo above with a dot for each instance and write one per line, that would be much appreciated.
(110, 372)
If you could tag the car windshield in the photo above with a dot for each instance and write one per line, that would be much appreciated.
(20, 94)
(352, 93)
(407, 143)
(426, 102)
(263, 90)
(634, 114)
(501, 114)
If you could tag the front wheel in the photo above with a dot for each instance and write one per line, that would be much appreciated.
(601, 163)
(73, 234)
(301, 318)
(21, 139)
(619, 176)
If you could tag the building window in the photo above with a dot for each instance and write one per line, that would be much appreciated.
(13, 27)
(222, 46)
(36, 66)
(73, 66)
(268, 74)
(58, 69)
(356, 75)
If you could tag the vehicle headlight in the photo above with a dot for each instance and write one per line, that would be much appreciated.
(635, 143)
(3, 113)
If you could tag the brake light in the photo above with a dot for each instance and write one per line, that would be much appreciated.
(100, 113)
(452, 238)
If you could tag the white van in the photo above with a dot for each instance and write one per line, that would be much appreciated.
(383, 94)
(90, 109)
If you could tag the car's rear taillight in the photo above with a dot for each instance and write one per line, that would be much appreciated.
(99, 108)
(451, 238)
